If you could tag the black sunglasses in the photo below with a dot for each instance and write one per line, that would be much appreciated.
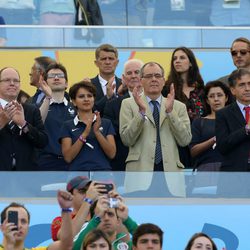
(242, 52)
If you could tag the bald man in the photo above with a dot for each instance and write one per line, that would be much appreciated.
(21, 126)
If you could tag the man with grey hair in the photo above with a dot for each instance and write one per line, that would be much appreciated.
(152, 126)
(233, 125)
(232, 129)
(130, 80)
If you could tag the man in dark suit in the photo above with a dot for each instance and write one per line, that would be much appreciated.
(106, 83)
(131, 78)
(21, 127)
(233, 136)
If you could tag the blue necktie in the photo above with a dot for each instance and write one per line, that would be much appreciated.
(156, 115)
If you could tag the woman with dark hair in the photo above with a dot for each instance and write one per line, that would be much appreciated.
(96, 239)
(188, 83)
(88, 140)
(200, 241)
(203, 144)
(189, 89)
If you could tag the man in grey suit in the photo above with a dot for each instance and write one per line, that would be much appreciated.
(152, 126)
(240, 52)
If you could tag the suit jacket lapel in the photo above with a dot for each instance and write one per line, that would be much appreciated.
(162, 111)
(148, 110)
(236, 112)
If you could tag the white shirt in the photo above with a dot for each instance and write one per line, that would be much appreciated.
(104, 84)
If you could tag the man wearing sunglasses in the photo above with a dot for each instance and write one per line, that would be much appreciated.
(240, 52)
(55, 109)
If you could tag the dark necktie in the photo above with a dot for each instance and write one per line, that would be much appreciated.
(156, 115)
(247, 114)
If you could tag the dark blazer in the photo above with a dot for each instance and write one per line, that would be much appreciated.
(33, 99)
(231, 138)
(101, 99)
(112, 112)
(22, 146)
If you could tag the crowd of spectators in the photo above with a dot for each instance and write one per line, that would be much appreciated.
(150, 125)
(100, 220)
(139, 122)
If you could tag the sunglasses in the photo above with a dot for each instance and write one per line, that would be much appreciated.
(53, 75)
(242, 52)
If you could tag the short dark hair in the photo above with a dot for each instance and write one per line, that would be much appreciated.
(44, 62)
(1, 71)
(93, 236)
(16, 205)
(151, 64)
(83, 84)
(56, 66)
(107, 48)
(147, 228)
(236, 75)
(224, 87)
(197, 235)
(241, 39)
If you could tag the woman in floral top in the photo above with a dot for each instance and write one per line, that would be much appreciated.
(189, 89)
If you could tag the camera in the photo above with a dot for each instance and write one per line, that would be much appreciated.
(108, 187)
(113, 203)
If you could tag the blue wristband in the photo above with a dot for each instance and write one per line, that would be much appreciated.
(66, 210)
(88, 201)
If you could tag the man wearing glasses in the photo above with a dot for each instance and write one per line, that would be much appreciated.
(152, 126)
(55, 109)
(240, 52)
(21, 127)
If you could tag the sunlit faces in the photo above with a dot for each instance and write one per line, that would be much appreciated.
(23, 223)
(109, 222)
(131, 75)
(9, 84)
(56, 80)
(152, 80)
(107, 62)
(100, 244)
(240, 52)
(181, 61)
(242, 89)
(84, 100)
(148, 241)
(216, 98)
(202, 243)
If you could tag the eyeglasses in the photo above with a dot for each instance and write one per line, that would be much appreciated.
(9, 81)
(242, 52)
(54, 75)
(150, 76)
